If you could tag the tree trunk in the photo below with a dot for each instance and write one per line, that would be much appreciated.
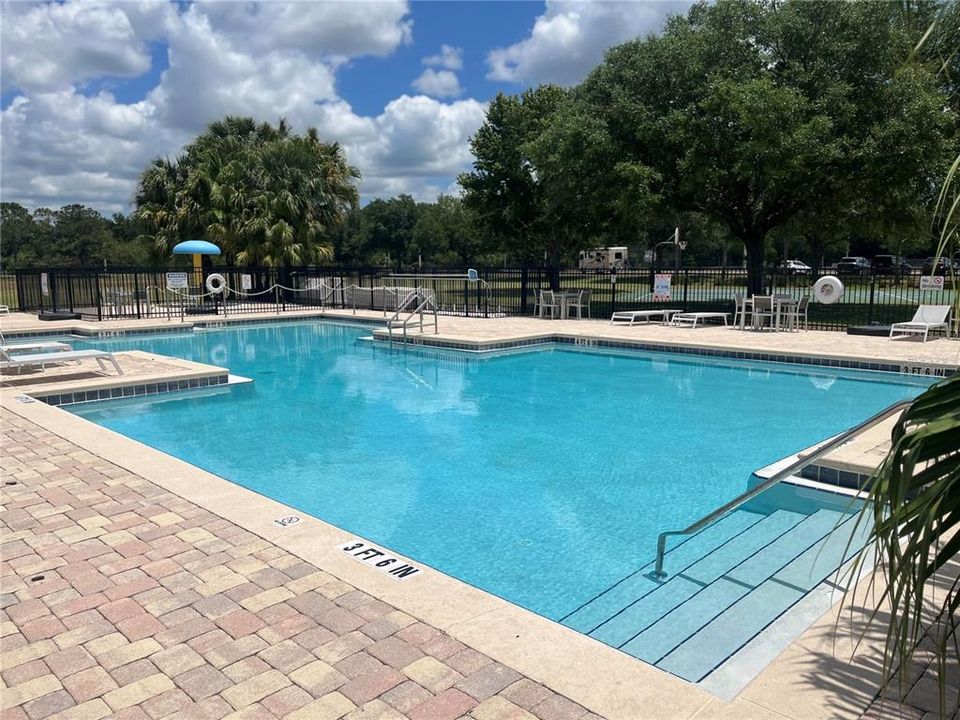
(755, 271)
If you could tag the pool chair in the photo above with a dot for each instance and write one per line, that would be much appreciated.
(763, 312)
(925, 319)
(548, 302)
(33, 347)
(41, 360)
(740, 309)
(578, 303)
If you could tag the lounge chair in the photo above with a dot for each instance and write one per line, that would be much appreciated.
(925, 319)
(41, 360)
(631, 317)
(33, 347)
(691, 319)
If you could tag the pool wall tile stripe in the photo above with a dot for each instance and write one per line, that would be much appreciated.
(935, 370)
(115, 393)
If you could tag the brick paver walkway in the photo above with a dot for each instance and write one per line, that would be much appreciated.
(120, 599)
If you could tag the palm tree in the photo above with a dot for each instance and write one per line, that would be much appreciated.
(263, 193)
(915, 498)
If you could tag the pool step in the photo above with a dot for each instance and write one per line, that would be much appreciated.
(724, 586)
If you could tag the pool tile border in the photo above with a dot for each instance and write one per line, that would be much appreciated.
(128, 391)
(934, 370)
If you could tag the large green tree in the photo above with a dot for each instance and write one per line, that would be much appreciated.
(447, 234)
(505, 187)
(386, 231)
(264, 194)
(756, 112)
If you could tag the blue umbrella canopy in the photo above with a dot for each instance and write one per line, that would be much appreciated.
(195, 247)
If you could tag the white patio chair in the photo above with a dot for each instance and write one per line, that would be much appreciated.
(549, 302)
(925, 319)
(579, 303)
(763, 310)
(739, 309)
(796, 313)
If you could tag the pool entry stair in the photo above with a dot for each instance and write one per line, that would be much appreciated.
(725, 584)
(734, 571)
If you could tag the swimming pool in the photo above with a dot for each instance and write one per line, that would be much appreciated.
(543, 476)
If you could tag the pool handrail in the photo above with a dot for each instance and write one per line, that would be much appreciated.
(786, 472)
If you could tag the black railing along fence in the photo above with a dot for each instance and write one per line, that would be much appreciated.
(138, 293)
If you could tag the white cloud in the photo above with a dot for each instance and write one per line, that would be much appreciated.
(450, 58)
(52, 46)
(61, 146)
(438, 83)
(319, 29)
(569, 39)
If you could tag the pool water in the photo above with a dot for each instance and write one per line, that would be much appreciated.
(543, 476)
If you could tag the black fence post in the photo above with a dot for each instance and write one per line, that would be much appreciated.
(99, 297)
(686, 286)
(613, 292)
(873, 287)
(21, 294)
(69, 290)
(523, 291)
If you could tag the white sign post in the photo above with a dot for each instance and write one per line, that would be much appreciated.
(246, 282)
(661, 287)
(44, 284)
(177, 281)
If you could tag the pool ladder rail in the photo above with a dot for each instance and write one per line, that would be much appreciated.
(420, 306)
(792, 469)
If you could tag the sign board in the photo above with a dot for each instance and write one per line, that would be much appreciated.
(246, 282)
(44, 284)
(177, 281)
(661, 288)
(931, 282)
(648, 255)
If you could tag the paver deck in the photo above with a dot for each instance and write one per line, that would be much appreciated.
(161, 592)
(122, 599)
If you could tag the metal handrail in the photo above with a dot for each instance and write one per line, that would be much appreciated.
(786, 472)
(426, 303)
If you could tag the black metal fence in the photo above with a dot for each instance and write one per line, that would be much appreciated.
(139, 293)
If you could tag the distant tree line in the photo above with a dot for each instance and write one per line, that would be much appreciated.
(761, 129)
(73, 236)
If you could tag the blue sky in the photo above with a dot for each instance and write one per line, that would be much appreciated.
(92, 90)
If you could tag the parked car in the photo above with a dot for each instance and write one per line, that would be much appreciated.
(940, 267)
(891, 265)
(853, 265)
(795, 267)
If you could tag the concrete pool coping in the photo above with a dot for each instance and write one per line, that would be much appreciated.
(604, 680)
(939, 356)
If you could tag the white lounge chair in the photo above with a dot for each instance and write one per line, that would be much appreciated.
(631, 317)
(33, 347)
(691, 319)
(925, 319)
(41, 360)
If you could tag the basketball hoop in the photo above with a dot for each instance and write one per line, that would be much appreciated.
(682, 244)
